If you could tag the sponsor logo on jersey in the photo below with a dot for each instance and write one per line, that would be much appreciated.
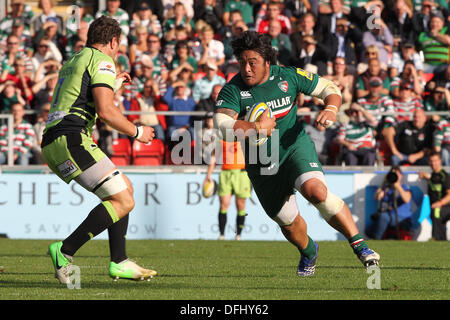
(308, 75)
(283, 85)
(245, 95)
(219, 103)
(67, 168)
(313, 165)
(106, 67)
(280, 107)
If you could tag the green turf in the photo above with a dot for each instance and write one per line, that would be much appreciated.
(215, 270)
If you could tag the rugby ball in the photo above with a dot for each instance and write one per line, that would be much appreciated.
(209, 188)
(253, 115)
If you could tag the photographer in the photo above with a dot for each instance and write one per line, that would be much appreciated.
(394, 205)
(439, 192)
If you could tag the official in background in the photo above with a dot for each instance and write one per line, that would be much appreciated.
(439, 192)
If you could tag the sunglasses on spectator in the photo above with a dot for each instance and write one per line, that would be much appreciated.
(13, 43)
(439, 92)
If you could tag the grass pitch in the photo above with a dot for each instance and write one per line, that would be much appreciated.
(230, 270)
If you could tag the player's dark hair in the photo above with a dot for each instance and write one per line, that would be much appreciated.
(260, 43)
(103, 30)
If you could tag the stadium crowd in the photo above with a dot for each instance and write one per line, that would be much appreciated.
(389, 56)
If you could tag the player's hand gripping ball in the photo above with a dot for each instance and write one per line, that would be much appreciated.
(209, 188)
(254, 115)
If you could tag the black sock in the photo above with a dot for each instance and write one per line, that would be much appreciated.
(240, 220)
(117, 236)
(96, 222)
(222, 222)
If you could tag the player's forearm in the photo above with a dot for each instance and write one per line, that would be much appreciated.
(115, 119)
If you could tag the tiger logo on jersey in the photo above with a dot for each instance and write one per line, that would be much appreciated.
(283, 85)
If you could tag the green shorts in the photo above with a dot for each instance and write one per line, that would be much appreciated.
(70, 154)
(274, 190)
(234, 182)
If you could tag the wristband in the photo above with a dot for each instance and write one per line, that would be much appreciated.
(332, 106)
(139, 132)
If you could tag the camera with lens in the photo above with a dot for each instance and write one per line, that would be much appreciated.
(391, 177)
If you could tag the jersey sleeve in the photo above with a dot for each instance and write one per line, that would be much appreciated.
(305, 81)
(102, 72)
(228, 98)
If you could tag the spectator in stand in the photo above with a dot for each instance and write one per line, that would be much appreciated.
(78, 39)
(169, 7)
(203, 86)
(406, 102)
(208, 47)
(182, 59)
(159, 64)
(305, 26)
(441, 136)
(47, 11)
(49, 30)
(398, 20)
(145, 70)
(209, 103)
(113, 11)
(313, 53)
(439, 191)
(156, 6)
(43, 89)
(380, 36)
(175, 35)
(23, 137)
(178, 100)
(46, 50)
(438, 100)
(346, 42)
(245, 7)
(280, 42)
(179, 18)
(421, 20)
(357, 137)
(12, 53)
(295, 9)
(273, 13)
(231, 63)
(145, 17)
(18, 10)
(141, 45)
(38, 128)
(148, 101)
(410, 76)
(435, 44)
(410, 141)
(394, 206)
(25, 41)
(345, 82)
(406, 53)
(78, 15)
(9, 95)
(21, 79)
(378, 104)
(210, 11)
(374, 70)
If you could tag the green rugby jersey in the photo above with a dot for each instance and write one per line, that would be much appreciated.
(279, 93)
(72, 105)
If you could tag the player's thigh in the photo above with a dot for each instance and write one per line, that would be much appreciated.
(242, 186)
(225, 183)
(68, 156)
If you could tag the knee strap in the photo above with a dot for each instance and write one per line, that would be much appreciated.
(112, 184)
(331, 206)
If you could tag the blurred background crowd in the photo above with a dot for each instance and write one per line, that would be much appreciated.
(389, 58)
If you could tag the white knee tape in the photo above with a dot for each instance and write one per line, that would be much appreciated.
(287, 213)
(331, 206)
(109, 186)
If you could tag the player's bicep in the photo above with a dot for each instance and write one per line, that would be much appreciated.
(103, 99)
(103, 74)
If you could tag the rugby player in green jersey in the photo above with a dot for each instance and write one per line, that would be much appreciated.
(85, 91)
(297, 167)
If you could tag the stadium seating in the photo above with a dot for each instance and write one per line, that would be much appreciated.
(122, 152)
(151, 154)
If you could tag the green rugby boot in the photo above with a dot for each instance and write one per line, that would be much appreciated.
(128, 269)
(61, 262)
